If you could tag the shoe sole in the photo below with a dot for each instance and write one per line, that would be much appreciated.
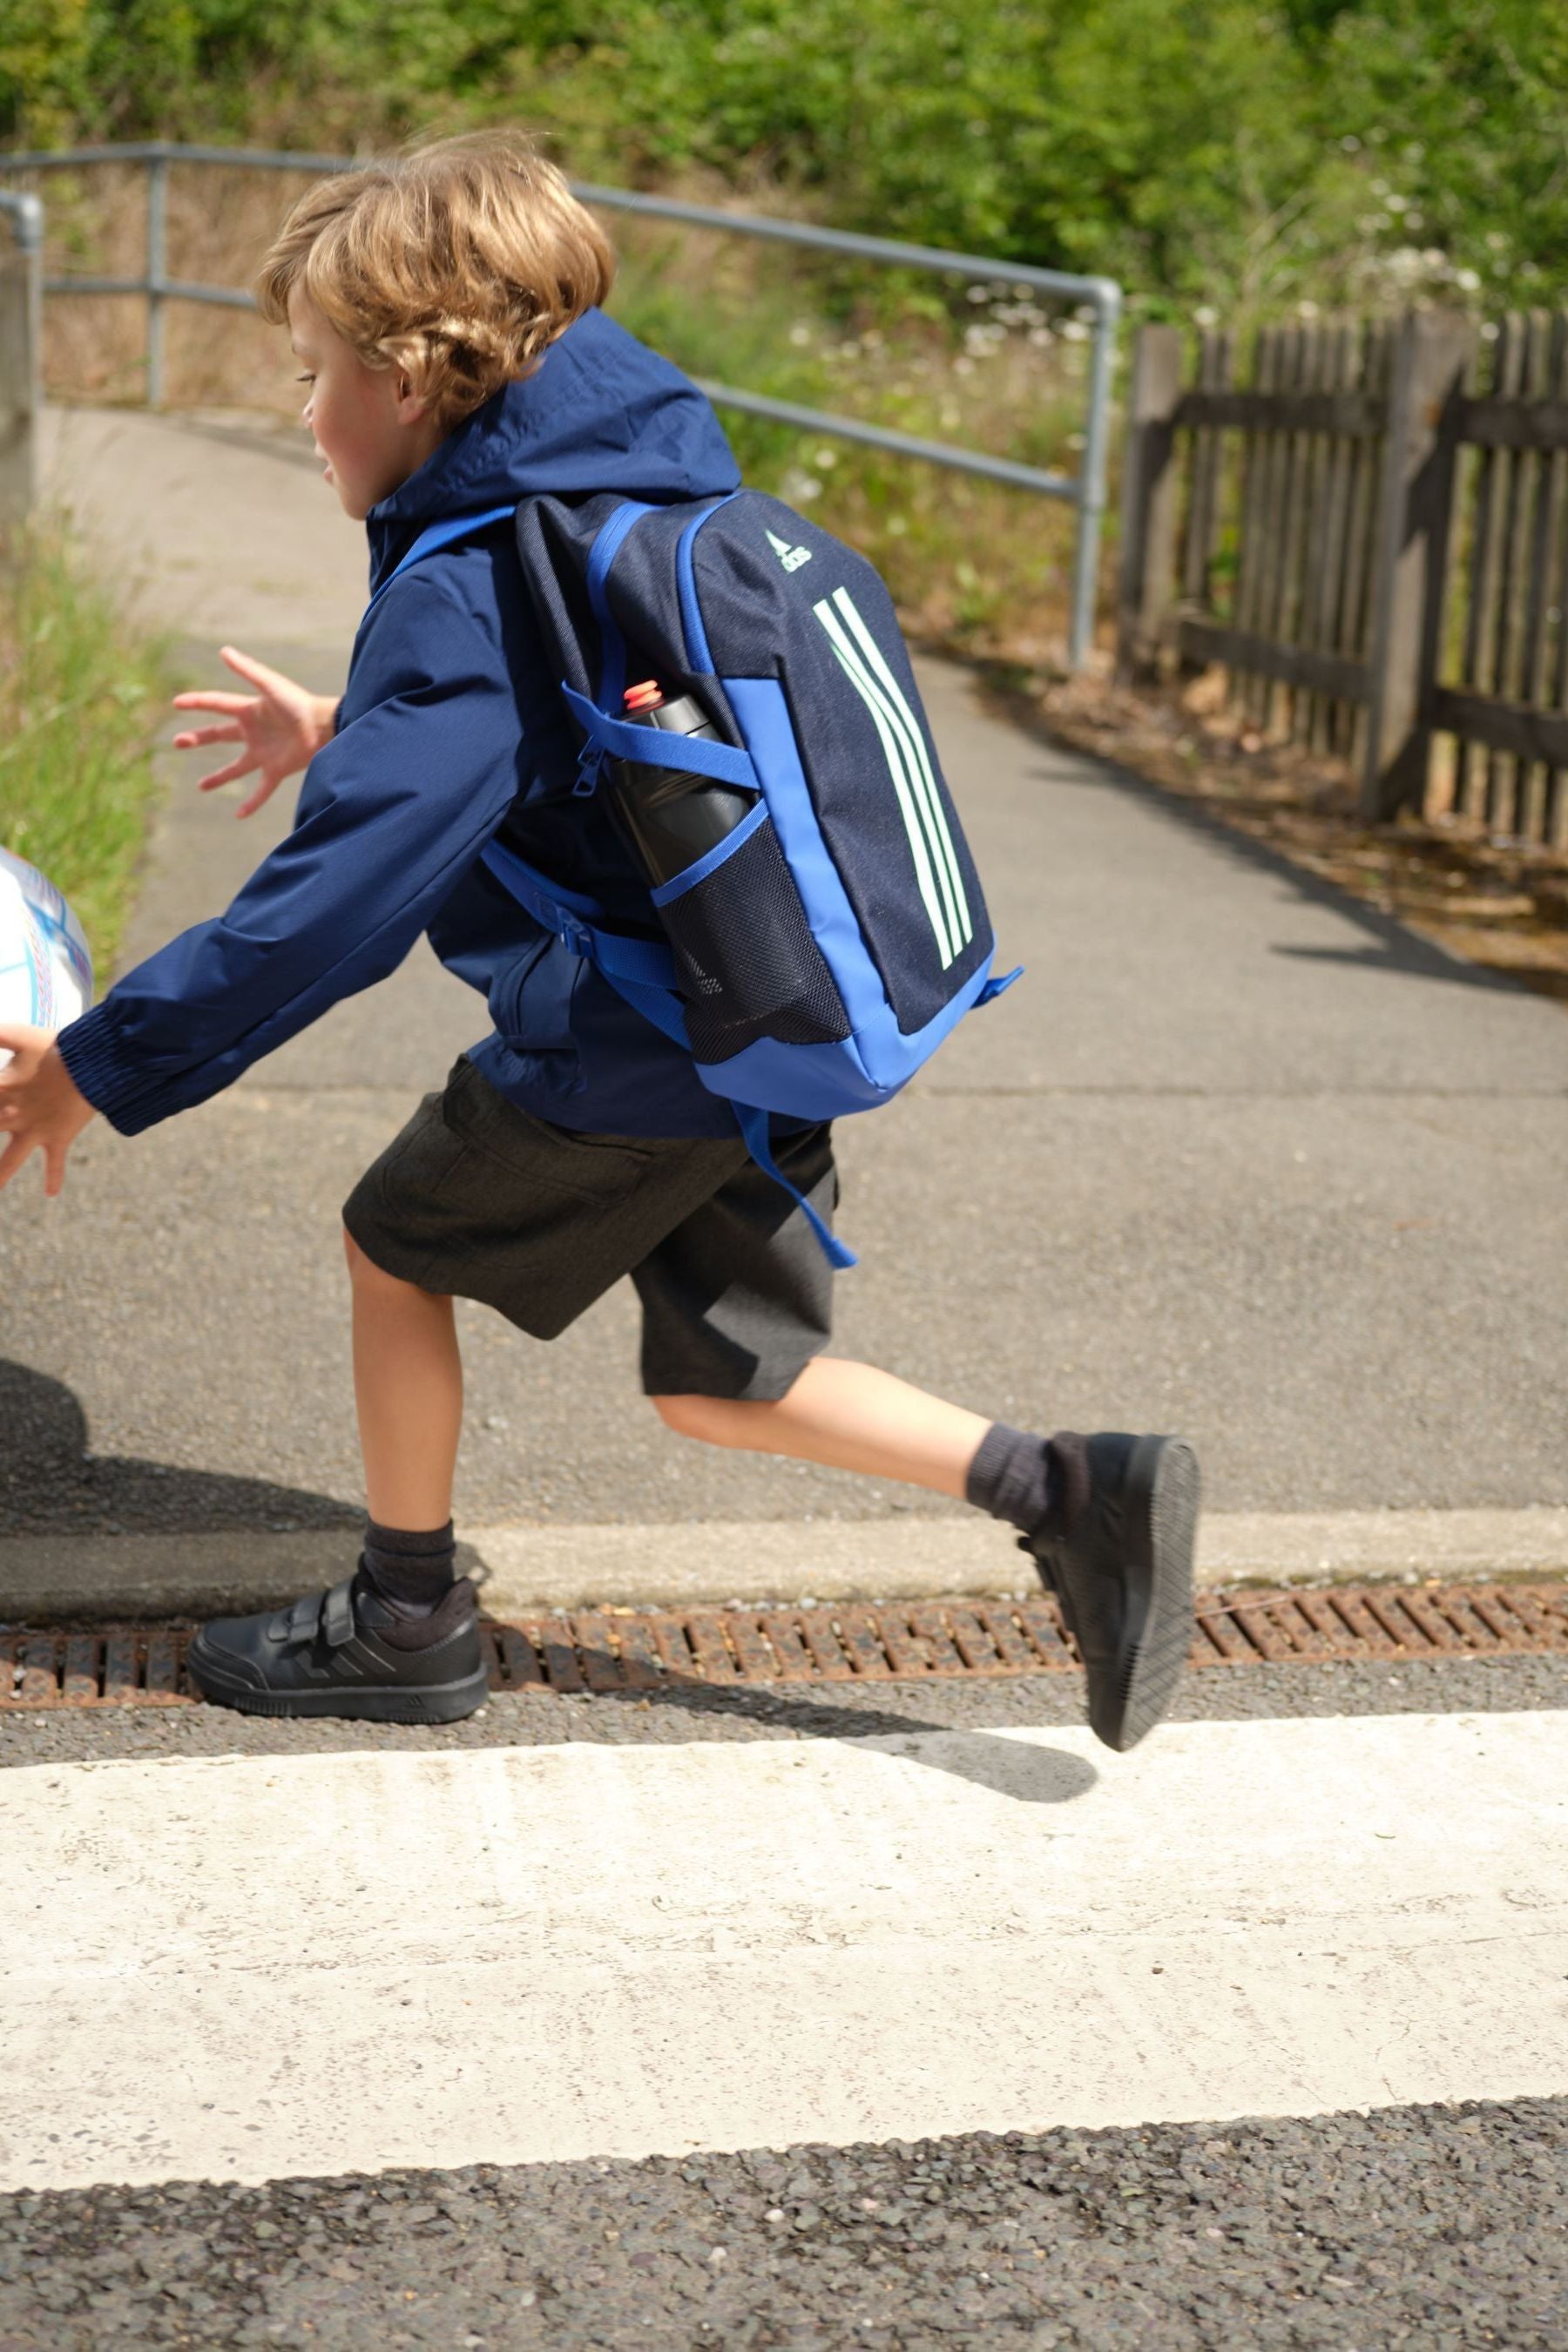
(1163, 1502)
(436, 1703)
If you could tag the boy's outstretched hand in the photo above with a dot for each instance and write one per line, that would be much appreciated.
(40, 1107)
(281, 726)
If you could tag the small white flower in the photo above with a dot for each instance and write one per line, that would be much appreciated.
(1205, 316)
(800, 336)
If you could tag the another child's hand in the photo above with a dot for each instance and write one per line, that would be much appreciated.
(282, 728)
(40, 1106)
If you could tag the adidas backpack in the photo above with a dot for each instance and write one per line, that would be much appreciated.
(819, 955)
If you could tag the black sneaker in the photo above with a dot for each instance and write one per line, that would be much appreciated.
(347, 1652)
(1116, 1548)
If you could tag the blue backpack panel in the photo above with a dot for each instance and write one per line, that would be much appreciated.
(818, 955)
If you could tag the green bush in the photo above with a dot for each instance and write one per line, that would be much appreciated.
(80, 694)
(1229, 152)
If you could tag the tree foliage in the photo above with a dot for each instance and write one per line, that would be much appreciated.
(1228, 151)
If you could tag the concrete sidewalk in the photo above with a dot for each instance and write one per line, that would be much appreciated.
(1240, 1158)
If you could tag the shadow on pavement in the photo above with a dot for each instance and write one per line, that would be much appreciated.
(1398, 949)
(1018, 1768)
(51, 1484)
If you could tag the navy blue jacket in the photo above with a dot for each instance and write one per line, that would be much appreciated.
(450, 719)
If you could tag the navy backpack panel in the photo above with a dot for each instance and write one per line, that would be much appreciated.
(818, 955)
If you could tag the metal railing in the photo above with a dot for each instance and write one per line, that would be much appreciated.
(21, 354)
(1101, 295)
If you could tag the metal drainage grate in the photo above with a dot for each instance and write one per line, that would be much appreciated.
(606, 1650)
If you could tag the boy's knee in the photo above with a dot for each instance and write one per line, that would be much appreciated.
(691, 1416)
(364, 1273)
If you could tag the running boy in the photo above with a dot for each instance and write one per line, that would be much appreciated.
(444, 310)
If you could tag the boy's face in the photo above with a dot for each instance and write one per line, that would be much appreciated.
(369, 424)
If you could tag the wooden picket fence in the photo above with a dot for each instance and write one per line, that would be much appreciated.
(1371, 534)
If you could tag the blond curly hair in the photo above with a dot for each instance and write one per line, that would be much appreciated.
(458, 262)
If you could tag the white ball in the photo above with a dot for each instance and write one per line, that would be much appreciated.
(46, 965)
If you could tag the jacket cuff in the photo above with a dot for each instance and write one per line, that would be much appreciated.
(112, 1080)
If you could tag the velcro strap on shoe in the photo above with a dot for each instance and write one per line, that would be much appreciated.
(337, 1614)
(302, 1617)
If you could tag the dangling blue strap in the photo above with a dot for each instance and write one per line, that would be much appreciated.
(757, 1135)
(995, 988)
(441, 534)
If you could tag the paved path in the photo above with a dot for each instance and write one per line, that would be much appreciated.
(1240, 1159)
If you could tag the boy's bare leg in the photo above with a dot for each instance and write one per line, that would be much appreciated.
(397, 1642)
(851, 1416)
(1109, 1520)
(408, 1390)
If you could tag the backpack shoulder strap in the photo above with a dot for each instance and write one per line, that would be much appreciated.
(442, 534)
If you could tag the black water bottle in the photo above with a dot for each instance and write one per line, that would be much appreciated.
(672, 816)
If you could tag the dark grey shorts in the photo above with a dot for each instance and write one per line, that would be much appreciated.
(484, 1201)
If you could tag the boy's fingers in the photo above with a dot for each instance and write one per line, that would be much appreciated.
(258, 671)
(226, 775)
(11, 1159)
(262, 793)
(231, 732)
(197, 700)
(53, 1170)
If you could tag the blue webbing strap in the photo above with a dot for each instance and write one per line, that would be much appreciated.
(649, 747)
(644, 973)
(612, 645)
(641, 963)
(757, 1136)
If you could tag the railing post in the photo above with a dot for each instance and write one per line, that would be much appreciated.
(157, 255)
(1092, 483)
(21, 356)
(1148, 569)
(1409, 553)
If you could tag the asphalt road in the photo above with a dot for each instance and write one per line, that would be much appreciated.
(1432, 2224)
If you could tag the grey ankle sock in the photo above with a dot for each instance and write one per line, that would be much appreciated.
(1010, 1478)
(412, 1569)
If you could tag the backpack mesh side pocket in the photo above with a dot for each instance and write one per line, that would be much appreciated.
(746, 963)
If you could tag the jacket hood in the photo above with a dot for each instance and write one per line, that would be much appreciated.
(601, 412)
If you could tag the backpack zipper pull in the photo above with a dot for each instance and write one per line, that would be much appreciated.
(590, 767)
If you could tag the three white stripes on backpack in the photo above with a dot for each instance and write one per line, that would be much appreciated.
(903, 747)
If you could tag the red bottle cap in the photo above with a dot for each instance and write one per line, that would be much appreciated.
(645, 697)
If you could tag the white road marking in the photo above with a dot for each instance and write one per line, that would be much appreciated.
(249, 1968)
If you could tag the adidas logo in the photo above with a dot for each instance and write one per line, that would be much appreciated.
(792, 558)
